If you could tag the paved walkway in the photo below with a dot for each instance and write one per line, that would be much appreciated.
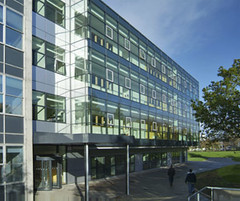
(151, 185)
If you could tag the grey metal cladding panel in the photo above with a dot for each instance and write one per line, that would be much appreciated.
(1, 140)
(13, 71)
(1, 123)
(14, 57)
(1, 52)
(17, 139)
(15, 5)
(56, 138)
(13, 124)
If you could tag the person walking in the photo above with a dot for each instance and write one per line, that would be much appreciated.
(191, 180)
(171, 173)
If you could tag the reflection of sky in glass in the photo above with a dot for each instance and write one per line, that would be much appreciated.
(1, 13)
(1, 32)
(13, 86)
(14, 154)
(13, 105)
(14, 20)
(13, 38)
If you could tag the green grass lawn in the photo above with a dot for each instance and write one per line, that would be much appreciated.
(228, 177)
(202, 156)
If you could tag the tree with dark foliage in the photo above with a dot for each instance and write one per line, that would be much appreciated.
(220, 111)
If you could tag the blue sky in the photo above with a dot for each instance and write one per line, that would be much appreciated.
(200, 35)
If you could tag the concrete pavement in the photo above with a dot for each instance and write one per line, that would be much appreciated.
(150, 185)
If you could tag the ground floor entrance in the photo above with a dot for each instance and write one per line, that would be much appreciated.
(48, 171)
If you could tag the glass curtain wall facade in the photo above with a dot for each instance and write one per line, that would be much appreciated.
(88, 74)
(146, 94)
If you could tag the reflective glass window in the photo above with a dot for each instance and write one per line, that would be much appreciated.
(109, 32)
(109, 75)
(13, 105)
(54, 10)
(55, 108)
(142, 89)
(13, 38)
(14, 20)
(13, 86)
(1, 14)
(1, 103)
(1, 155)
(1, 83)
(15, 192)
(127, 44)
(128, 122)
(1, 33)
(1, 97)
(14, 160)
(127, 83)
(110, 119)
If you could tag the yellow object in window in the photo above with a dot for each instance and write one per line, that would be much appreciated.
(95, 38)
(96, 120)
(96, 80)
(102, 121)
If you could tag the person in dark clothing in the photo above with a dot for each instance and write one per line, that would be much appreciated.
(191, 180)
(171, 173)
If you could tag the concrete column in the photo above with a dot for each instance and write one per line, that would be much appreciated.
(27, 101)
(181, 157)
(127, 170)
(86, 159)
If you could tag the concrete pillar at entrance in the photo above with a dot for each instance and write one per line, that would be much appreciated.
(181, 157)
(127, 170)
(86, 159)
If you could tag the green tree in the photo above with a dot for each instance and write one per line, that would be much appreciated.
(220, 111)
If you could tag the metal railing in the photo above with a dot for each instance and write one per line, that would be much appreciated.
(201, 196)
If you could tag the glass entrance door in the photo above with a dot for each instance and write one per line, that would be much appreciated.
(56, 173)
(47, 173)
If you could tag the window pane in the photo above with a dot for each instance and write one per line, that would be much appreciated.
(55, 108)
(13, 172)
(13, 105)
(38, 113)
(14, 155)
(1, 14)
(1, 103)
(1, 177)
(38, 47)
(19, 192)
(13, 86)
(1, 155)
(13, 38)
(1, 192)
(0, 83)
(1, 33)
(55, 11)
(14, 20)
(38, 98)
(13, 57)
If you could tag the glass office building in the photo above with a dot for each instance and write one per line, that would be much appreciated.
(80, 85)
